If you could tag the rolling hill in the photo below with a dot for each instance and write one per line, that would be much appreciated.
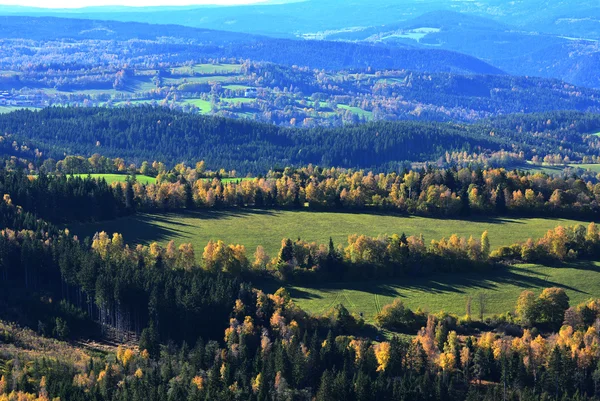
(146, 133)
(194, 42)
(516, 50)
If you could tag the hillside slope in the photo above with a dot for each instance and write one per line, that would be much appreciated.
(147, 133)
(206, 43)
(516, 50)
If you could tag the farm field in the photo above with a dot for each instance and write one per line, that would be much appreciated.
(185, 86)
(357, 110)
(238, 100)
(110, 178)
(267, 227)
(216, 68)
(449, 292)
(548, 169)
(592, 167)
(203, 105)
(8, 109)
(236, 87)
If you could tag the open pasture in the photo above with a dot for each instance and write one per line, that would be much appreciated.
(449, 292)
(110, 178)
(203, 105)
(252, 227)
(446, 292)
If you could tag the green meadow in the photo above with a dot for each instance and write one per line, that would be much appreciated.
(110, 178)
(449, 292)
(216, 68)
(548, 169)
(203, 105)
(252, 227)
(356, 110)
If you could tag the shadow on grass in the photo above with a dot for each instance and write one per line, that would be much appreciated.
(443, 283)
(159, 227)
(148, 227)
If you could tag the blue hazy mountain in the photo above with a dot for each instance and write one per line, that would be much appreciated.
(508, 47)
(568, 18)
(545, 38)
(210, 43)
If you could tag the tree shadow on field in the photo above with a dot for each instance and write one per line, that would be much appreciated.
(216, 214)
(581, 264)
(298, 293)
(444, 283)
(145, 228)
(135, 230)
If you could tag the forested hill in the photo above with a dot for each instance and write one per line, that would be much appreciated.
(147, 133)
(217, 44)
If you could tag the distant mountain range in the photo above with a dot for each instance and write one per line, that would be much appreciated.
(507, 47)
(545, 38)
(332, 55)
(577, 18)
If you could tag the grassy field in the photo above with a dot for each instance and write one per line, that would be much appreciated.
(443, 292)
(236, 87)
(356, 110)
(110, 178)
(203, 105)
(449, 292)
(559, 169)
(133, 102)
(592, 167)
(8, 109)
(267, 227)
(238, 100)
(217, 68)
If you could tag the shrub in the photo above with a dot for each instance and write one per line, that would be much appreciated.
(397, 317)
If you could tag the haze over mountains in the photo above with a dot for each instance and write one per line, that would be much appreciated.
(559, 40)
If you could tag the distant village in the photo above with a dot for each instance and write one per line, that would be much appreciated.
(20, 100)
(5, 97)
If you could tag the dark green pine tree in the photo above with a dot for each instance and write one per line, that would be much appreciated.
(465, 205)
(500, 201)
(129, 197)
(326, 392)
(286, 254)
(189, 196)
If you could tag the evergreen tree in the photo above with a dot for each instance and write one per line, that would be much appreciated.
(500, 201)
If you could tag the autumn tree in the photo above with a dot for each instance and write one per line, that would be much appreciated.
(552, 304)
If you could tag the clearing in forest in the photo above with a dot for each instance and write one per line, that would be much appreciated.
(253, 227)
(449, 292)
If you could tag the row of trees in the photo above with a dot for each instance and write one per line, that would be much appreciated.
(363, 257)
(451, 192)
(557, 245)
(434, 192)
(428, 191)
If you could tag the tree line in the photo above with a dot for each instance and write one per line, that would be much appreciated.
(441, 192)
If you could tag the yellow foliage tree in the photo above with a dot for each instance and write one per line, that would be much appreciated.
(382, 353)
